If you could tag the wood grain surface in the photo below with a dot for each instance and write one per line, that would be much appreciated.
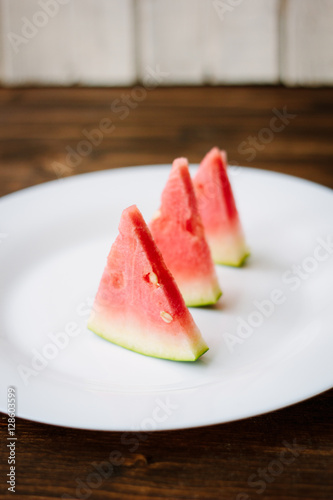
(242, 460)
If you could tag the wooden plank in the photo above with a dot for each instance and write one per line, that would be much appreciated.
(38, 43)
(5, 51)
(170, 38)
(104, 42)
(210, 41)
(307, 42)
(2, 35)
(243, 42)
(69, 41)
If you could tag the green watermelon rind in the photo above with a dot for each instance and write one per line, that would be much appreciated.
(229, 250)
(166, 357)
(239, 263)
(204, 302)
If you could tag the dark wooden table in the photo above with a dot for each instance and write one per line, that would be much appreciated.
(239, 460)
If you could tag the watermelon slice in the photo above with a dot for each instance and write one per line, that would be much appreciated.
(138, 304)
(179, 234)
(218, 210)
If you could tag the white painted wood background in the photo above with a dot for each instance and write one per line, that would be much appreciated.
(119, 42)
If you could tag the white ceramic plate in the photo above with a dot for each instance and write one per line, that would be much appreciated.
(54, 242)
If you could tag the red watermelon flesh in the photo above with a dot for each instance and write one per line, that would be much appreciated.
(138, 304)
(218, 210)
(179, 234)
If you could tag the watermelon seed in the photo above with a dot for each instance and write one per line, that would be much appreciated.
(153, 278)
(166, 316)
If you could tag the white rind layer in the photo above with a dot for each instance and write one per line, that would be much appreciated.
(132, 335)
(200, 293)
(230, 250)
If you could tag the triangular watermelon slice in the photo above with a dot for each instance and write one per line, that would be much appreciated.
(179, 234)
(138, 304)
(218, 210)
